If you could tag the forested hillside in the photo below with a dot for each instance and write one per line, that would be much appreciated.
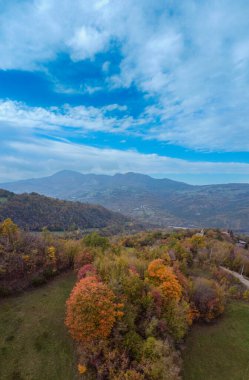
(161, 202)
(34, 211)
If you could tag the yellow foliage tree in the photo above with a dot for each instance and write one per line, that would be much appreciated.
(8, 229)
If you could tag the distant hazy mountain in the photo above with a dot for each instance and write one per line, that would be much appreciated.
(161, 202)
(34, 211)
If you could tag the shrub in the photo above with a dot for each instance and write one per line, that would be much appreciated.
(208, 298)
(133, 343)
(234, 291)
(49, 273)
(70, 250)
(38, 280)
(94, 240)
(178, 318)
(82, 258)
(86, 270)
(131, 374)
(160, 361)
(246, 295)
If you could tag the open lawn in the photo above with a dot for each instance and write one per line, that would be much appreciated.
(220, 351)
(34, 344)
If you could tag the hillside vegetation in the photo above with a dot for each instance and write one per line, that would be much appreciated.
(158, 202)
(135, 297)
(34, 211)
(135, 301)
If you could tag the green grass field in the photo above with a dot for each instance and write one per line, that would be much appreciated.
(34, 344)
(220, 351)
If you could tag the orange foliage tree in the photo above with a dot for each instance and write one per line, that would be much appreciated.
(164, 278)
(91, 310)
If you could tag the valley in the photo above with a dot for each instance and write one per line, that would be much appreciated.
(152, 202)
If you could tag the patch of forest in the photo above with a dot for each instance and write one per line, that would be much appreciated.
(34, 212)
(136, 296)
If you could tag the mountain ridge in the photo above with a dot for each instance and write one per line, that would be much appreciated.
(159, 202)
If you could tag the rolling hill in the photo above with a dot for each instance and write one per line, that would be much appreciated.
(34, 211)
(161, 202)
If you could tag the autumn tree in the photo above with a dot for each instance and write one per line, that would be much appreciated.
(208, 298)
(86, 270)
(9, 230)
(197, 242)
(94, 240)
(164, 278)
(91, 310)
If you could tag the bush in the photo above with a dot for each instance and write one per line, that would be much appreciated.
(82, 258)
(49, 273)
(38, 280)
(133, 343)
(131, 374)
(246, 295)
(208, 298)
(160, 361)
(94, 240)
(86, 270)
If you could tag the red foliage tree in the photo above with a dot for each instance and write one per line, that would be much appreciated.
(86, 270)
(83, 258)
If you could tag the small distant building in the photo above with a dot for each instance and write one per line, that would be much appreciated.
(172, 255)
(200, 233)
(225, 233)
(241, 244)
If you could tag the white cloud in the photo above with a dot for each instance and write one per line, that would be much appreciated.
(49, 156)
(54, 119)
(190, 57)
(86, 42)
(66, 120)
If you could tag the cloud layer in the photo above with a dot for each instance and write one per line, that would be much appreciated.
(189, 60)
(47, 156)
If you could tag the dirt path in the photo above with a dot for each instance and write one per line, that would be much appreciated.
(241, 278)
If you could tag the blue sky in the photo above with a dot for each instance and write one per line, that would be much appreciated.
(105, 86)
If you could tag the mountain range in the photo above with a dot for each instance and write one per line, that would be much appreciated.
(158, 202)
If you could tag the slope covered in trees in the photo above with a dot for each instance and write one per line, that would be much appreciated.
(34, 211)
(159, 202)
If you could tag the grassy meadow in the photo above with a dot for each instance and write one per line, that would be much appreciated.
(34, 344)
(219, 351)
